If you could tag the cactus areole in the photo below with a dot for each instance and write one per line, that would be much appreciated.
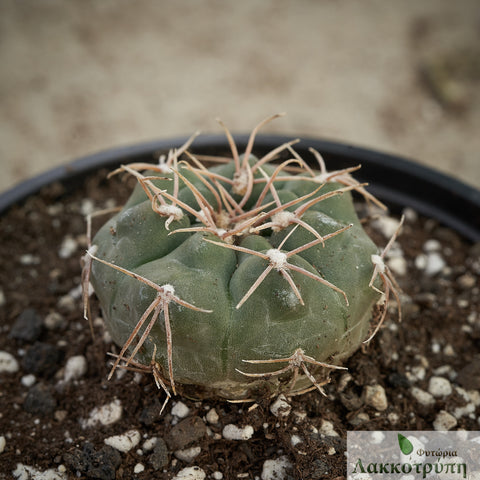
(243, 278)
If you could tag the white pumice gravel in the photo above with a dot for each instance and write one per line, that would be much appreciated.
(188, 454)
(104, 415)
(432, 245)
(417, 373)
(180, 410)
(422, 397)
(295, 440)
(212, 417)
(125, 442)
(386, 225)
(139, 468)
(28, 380)
(149, 444)
(29, 259)
(439, 387)
(280, 407)
(68, 247)
(190, 473)
(444, 421)
(327, 429)
(435, 264)
(474, 396)
(87, 207)
(276, 469)
(25, 472)
(75, 368)
(467, 409)
(54, 320)
(398, 265)
(8, 363)
(410, 214)
(421, 261)
(232, 432)
(376, 397)
(3, 443)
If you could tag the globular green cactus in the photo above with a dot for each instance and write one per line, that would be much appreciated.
(246, 277)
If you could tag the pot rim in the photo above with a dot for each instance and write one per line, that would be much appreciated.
(397, 181)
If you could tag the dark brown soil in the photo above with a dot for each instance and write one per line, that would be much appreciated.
(42, 326)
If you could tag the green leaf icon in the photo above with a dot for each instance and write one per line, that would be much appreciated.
(405, 444)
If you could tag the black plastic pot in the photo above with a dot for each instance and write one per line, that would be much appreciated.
(396, 181)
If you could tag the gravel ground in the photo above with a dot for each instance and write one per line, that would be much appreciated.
(61, 418)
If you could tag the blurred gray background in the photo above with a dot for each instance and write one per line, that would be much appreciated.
(82, 76)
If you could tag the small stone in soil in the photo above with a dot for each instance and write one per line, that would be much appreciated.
(276, 469)
(189, 454)
(397, 380)
(28, 380)
(8, 363)
(398, 265)
(375, 397)
(295, 440)
(180, 410)
(104, 415)
(435, 264)
(68, 247)
(280, 407)
(212, 417)
(360, 418)
(190, 473)
(327, 429)
(42, 359)
(125, 442)
(39, 400)
(444, 421)
(186, 432)
(386, 225)
(75, 368)
(422, 397)
(27, 327)
(232, 432)
(469, 376)
(159, 456)
(150, 414)
(100, 464)
(321, 469)
(24, 472)
(439, 387)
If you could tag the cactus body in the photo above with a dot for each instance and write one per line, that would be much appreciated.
(215, 272)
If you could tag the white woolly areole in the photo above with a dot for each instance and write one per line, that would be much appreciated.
(377, 260)
(220, 232)
(202, 217)
(167, 291)
(282, 220)
(323, 177)
(162, 166)
(240, 182)
(277, 258)
(171, 211)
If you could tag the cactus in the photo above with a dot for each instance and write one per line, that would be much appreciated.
(212, 276)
